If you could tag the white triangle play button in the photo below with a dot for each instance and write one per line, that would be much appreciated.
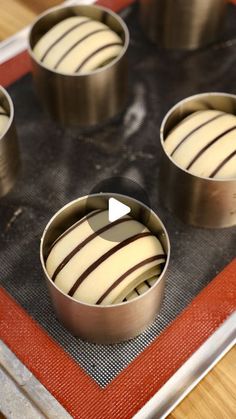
(116, 209)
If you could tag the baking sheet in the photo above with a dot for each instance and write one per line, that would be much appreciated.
(59, 165)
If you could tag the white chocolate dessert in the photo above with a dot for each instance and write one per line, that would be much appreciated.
(92, 268)
(143, 287)
(78, 45)
(4, 119)
(204, 143)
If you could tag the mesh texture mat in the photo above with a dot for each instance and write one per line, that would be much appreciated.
(59, 165)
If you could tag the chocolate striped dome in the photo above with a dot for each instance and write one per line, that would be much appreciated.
(143, 287)
(96, 270)
(4, 119)
(204, 144)
(78, 45)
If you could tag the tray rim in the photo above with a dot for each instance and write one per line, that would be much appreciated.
(161, 404)
(198, 366)
(207, 355)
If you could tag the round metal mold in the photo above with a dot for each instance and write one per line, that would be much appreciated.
(9, 150)
(199, 201)
(182, 24)
(88, 98)
(107, 323)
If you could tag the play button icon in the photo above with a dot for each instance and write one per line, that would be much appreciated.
(116, 209)
(113, 196)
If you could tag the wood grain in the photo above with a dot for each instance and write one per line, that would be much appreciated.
(16, 14)
(215, 396)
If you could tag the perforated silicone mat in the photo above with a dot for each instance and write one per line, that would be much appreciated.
(59, 165)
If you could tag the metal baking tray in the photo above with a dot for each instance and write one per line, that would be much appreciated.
(127, 146)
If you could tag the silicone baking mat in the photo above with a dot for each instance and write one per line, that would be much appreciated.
(59, 165)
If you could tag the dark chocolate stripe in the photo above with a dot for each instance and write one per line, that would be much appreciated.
(222, 164)
(130, 271)
(4, 114)
(81, 221)
(182, 122)
(63, 36)
(85, 242)
(202, 151)
(104, 257)
(195, 130)
(77, 43)
(104, 17)
(135, 290)
(113, 44)
(147, 283)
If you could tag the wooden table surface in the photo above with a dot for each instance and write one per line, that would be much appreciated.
(215, 396)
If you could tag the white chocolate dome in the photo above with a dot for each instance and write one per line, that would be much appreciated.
(78, 45)
(94, 269)
(204, 143)
(4, 119)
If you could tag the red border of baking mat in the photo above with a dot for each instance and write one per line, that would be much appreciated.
(81, 396)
